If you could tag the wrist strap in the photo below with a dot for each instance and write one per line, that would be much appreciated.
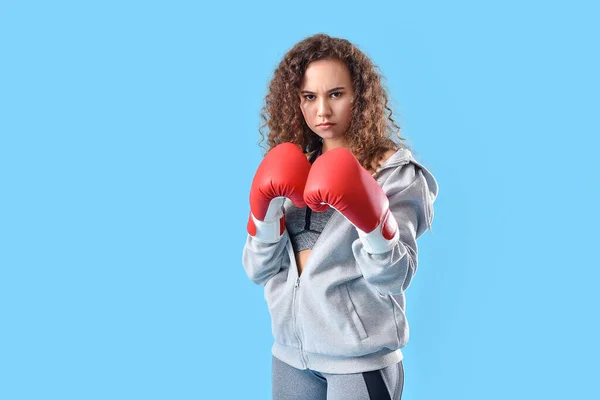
(266, 232)
(383, 238)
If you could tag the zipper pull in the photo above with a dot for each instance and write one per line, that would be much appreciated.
(297, 282)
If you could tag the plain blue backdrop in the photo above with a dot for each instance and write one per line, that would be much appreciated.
(129, 139)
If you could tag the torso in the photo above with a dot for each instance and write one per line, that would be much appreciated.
(302, 256)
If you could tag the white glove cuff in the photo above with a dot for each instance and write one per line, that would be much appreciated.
(375, 243)
(275, 210)
(267, 231)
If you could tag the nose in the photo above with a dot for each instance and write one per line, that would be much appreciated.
(323, 109)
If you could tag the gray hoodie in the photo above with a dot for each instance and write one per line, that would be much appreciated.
(345, 312)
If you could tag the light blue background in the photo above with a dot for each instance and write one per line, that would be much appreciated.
(128, 144)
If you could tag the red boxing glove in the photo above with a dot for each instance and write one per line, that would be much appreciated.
(338, 180)
(281, 174)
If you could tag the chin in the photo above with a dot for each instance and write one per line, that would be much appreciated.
(327, 135)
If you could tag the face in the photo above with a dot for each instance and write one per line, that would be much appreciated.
(326, 95)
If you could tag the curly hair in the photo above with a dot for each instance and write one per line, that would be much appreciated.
(369, 134)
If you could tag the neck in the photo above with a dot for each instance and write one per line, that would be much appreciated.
(330, 144)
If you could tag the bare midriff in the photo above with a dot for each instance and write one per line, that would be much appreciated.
(301, 258)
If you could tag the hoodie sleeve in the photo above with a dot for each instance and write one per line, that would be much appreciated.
(411, 190)
(264, 260)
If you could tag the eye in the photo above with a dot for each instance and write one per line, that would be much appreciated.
(334, 93)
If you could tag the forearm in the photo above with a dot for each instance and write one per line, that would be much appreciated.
(390, 272)
(263, 260)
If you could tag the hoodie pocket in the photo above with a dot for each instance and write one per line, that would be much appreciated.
(358, 325)
(329, 323)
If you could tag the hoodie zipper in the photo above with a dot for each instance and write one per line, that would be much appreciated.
(295, 295)
(294, 318)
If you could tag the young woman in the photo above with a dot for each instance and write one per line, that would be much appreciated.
(336, 207)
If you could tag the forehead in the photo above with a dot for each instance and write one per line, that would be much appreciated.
(326, 73)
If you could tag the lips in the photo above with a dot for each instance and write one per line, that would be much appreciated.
(326, 124)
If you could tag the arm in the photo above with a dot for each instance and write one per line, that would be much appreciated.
(411, 191)
(264, 260)
(282, 174)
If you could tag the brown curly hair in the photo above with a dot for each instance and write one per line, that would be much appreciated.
(369, 134)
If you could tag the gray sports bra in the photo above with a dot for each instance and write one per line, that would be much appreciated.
(303, 224)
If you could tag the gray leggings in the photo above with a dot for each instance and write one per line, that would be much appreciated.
(290, 383)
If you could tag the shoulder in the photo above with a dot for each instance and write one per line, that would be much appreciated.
(412, 190)
(406, 172)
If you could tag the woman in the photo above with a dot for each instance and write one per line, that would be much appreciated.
(336, 207)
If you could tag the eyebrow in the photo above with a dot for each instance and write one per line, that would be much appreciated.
(329, 91)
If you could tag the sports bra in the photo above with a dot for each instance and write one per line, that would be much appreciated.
(303, 224)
